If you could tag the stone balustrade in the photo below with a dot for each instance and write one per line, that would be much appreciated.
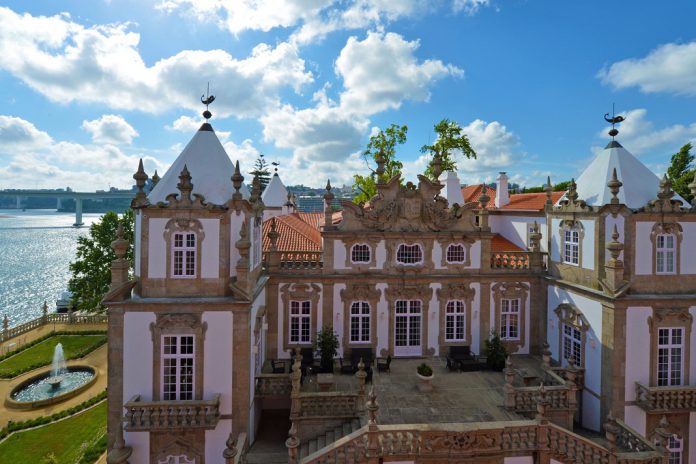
(330, 405)
(558, 397)
(53, 318)
(460, 442)
(273, 385)
(666, 399)
(171, 415)
(510, 260)
(296, 260)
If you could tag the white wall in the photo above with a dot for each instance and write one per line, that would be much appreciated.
(514, 228)
(138, 241)
(340, 254)
(382, 321)
(555, 240)
(433, 313)
(140, 443)
(476, 255)
(519, 460)
(592, 310)
(381, 256)
(214, 441)
(609, 228)
(644, 248)
(157, 249)
(637, 349)
(210, 249)
(137, 355)
(688, 245)
(692, 429)
(588, 244)
(218, 363)
(254, 408)
(635, 418)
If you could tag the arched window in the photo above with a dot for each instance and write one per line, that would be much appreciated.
(409, 254)
(184, 254)
(360, 253)
(456, 253)
(455, 317)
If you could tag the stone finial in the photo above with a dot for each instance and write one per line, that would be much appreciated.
(5, 323)
(436, 166)
(546, 355)
(230, 451)
(665, 192)
(535, 238)
(615, 247)
(692, 187)
(140, 178)
(361, 376)
(611, 430)
(237, 180)
(381, 160)
(44, 309)
(120, 245)
(614, 185)
(292, 443)
(155, 178)
(372, 407)
(329, 194)
(484, 198)
(328, 210)
(572, 193)
(255, 196)
(185, 186)
(548, 188)
(273, 235)
(290, 203)
(541, 403)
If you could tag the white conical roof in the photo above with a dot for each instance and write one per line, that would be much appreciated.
(640, 184)
(210, 168)
(275, 195)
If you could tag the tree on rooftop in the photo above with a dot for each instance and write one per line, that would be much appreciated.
(450, 142)
(91, 270)
(681, 171)
(261, 170)
(384, 142)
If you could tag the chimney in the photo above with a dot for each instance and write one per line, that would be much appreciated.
(502, 197)
(453, 189)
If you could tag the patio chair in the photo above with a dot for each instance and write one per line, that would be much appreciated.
(277, 366)
(383, 366)
(345, 367)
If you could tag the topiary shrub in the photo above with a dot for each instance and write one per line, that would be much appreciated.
(424, 370)
(495, 352)
(327, 344)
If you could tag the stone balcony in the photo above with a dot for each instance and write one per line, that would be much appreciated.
(666, 399)
(171, 415)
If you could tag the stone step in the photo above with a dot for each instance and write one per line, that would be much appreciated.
(267, 458)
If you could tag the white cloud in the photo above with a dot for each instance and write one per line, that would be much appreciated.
(185, 124)
(639, 135)
(496, 147)
(381, 71)
(16, 134)
(110, 128)
(669, 68)
(470, 7)
(68, 62)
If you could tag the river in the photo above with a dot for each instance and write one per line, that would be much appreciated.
(36, 247)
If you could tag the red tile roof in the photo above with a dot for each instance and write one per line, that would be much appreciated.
(298, 232)
(518, 201)
(500, 244)
(473, 192)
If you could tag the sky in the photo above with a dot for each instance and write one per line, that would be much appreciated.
(88, 88)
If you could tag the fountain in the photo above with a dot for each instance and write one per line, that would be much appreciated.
(58, 384)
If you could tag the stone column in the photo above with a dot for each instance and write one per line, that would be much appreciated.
(240, 373)
(114, 421)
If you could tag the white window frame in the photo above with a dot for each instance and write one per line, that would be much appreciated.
(180, 361)
(571, 246)
(665, 255)
(366, 249)
(186, 253)
(510, 318)
(300, 315)
(572, 344)
(455, 321)
(675, 446)
(463, 253)
(530, 231)
(670, 351)
(409, 246)
(360, 322)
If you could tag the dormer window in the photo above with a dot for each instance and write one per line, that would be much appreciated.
(184, 254)
(409, 254)
(665, 251)
(456, 253)
(360, 253)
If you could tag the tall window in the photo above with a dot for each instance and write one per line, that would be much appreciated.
(360, 322)
(572, 345)
(675, 446)
(454, 321)
(184, 254)
(178, 363)
(456, 253)
(510, 319)
(670, 348)
(300, 321)
(360, 253)
(409, 254)
(665, 252)
(571, 246)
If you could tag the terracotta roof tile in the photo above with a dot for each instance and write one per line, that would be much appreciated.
(473, 192)
(500, 244)
(531, 201)
(298, 232)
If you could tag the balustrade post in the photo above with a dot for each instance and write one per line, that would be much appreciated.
(44, 313)
(361, 375)
(611, 431)
(662, 435)
(372, 429)
(231, 449)
(571, 382)
(119, 453)
(545, 356)
(543, 427)
(292, 443)
(508, 388)
(296, 377)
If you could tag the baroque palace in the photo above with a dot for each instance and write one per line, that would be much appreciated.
(212, 342)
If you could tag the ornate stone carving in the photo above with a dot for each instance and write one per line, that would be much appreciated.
(571, 202)
(511, 290)
(673, 228)
(298, 292)
(571, 315)
(664, 202)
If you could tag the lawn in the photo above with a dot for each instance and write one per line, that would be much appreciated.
(74, 346)
(66, 439)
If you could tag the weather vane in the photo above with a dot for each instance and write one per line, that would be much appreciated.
(613, 120)
(207, 99)
(276, 165)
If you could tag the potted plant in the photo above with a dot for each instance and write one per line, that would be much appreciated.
(327, 345)
(425, 376)
(495, 351)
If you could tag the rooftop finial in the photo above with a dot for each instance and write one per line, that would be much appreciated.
(613, 120)
(275, 166)
(207, 99)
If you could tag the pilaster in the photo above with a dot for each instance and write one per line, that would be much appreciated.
(241, 350)
(114, 374)
(485, 314)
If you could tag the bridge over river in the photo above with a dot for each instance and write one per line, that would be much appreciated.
(77, 196)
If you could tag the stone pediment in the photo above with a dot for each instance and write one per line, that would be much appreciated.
(408, 208)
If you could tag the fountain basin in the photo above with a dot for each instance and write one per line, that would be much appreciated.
(39, 390)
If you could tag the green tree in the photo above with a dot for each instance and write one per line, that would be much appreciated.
(450, 141)
(261, 170)
(385, 142)
(681, 171)
(91, 270)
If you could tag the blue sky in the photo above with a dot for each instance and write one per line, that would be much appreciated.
(87, 88)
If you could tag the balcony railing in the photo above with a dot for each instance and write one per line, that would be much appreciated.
(510, 260)
(171, 415)
(297, 260)
(333, 405)
(664, 399)
(273, 385)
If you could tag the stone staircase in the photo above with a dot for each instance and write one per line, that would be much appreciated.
(329, 437)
